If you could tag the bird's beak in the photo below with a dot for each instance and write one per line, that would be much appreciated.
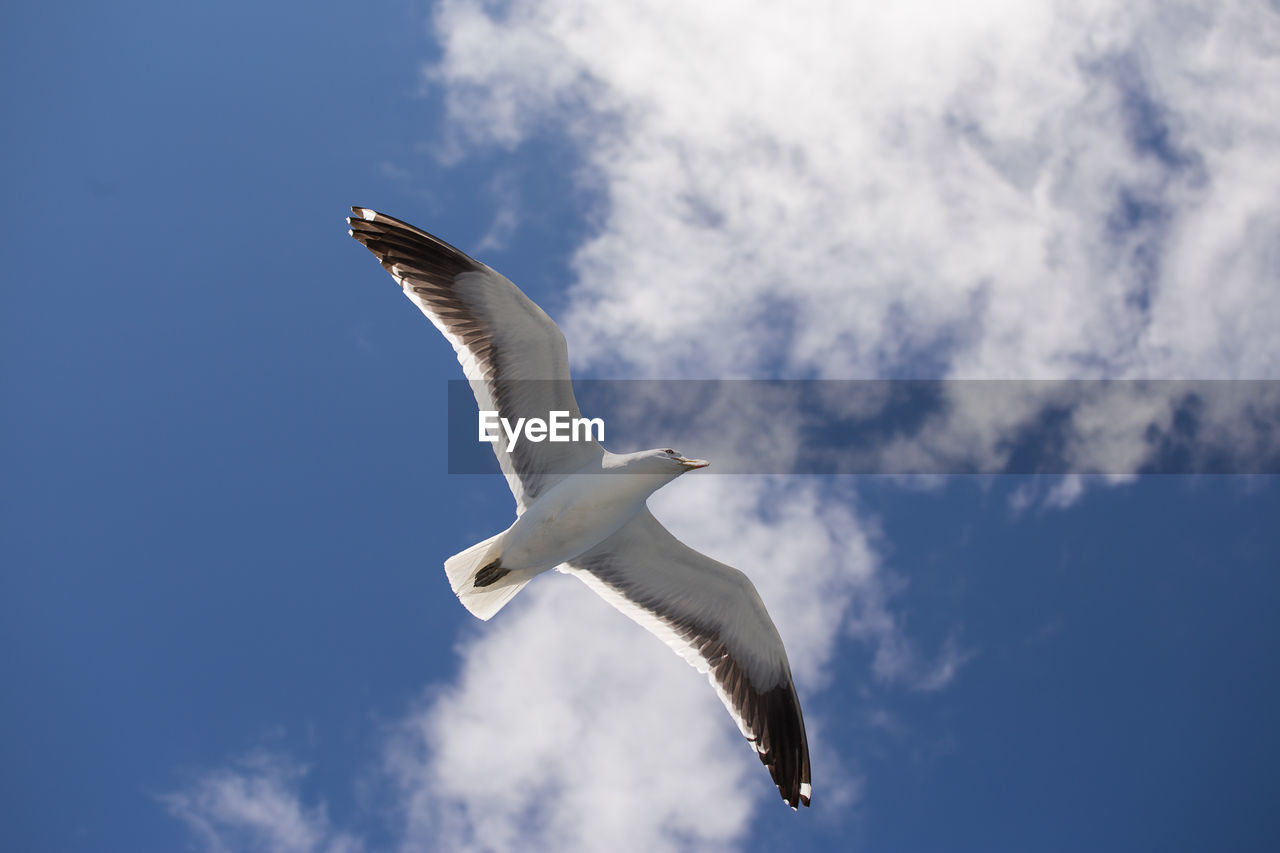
(694, 463)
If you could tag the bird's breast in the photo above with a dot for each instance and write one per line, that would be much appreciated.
(573, 517)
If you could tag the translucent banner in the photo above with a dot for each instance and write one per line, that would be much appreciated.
(888, 427)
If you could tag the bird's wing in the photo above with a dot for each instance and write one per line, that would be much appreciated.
(712, 616)
(513, 354)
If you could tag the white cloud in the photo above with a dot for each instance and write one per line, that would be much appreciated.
(256, 804)
(565, 726)
(1015, 190)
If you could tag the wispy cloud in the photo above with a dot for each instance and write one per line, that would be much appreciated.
(256, 804)
(507, 204)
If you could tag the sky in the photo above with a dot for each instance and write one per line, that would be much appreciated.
(224, 619)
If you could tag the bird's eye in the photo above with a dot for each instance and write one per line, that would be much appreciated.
(669, 452)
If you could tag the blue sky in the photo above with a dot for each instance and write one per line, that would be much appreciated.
(223, 611)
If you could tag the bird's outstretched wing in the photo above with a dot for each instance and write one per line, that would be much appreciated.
(712, 616)
(511, 352)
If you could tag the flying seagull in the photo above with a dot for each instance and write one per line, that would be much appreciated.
(581, 509)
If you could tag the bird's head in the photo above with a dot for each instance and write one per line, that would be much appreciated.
(665, 463)
(667, 459)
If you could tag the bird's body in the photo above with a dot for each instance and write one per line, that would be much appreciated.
(582, 510)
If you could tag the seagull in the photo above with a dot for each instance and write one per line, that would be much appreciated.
(582, 510)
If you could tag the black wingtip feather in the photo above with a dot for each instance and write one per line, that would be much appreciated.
(783, 746)
(393, 241)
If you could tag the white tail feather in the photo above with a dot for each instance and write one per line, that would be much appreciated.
(483, 601)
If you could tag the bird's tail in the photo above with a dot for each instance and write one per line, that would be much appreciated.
(479, 579)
